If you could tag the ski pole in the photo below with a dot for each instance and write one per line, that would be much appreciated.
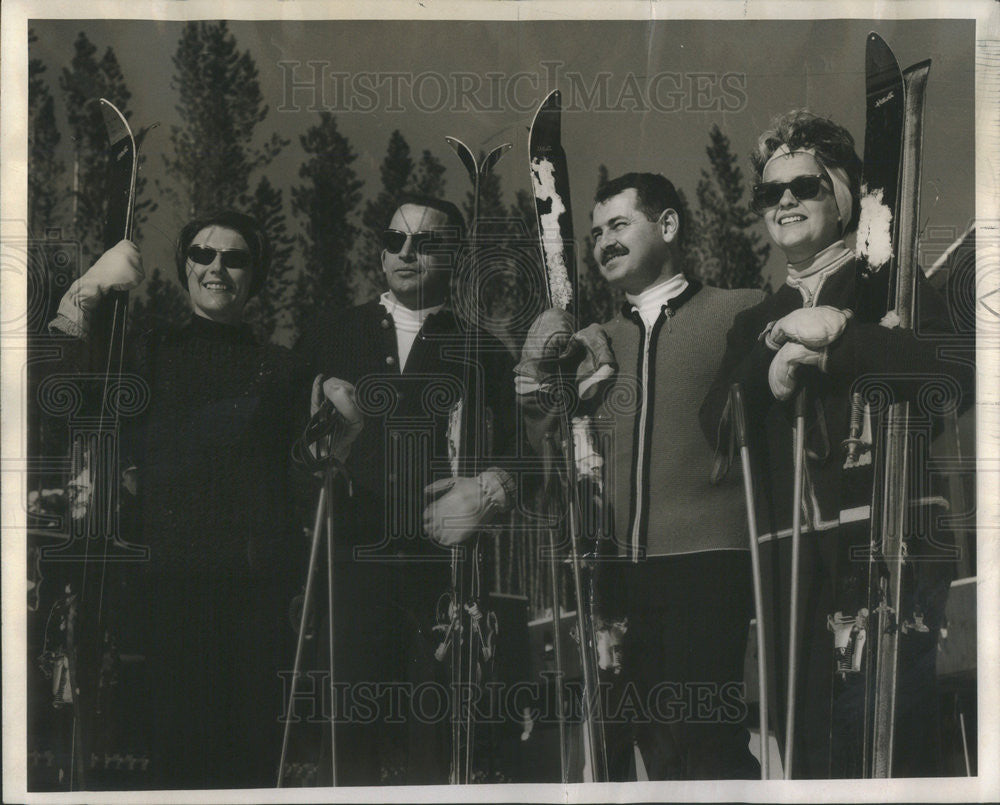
(740, 423)
(325, 424)
(303, 620)
(328, 482)
(793, 627)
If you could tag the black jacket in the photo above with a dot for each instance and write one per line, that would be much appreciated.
(930, 365)
(403, 445)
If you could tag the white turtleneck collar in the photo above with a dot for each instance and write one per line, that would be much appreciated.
(809, 275)
(407, 323)
(650, 301)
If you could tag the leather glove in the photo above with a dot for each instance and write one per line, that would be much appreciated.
(459, 507)
(551, 346)
(813, 327)
(340, 395)
(781, 375)
(118, 269)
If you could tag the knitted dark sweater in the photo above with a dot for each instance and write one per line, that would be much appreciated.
(212, 450)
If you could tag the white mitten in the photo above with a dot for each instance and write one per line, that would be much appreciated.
(118, 269)
(813, 327)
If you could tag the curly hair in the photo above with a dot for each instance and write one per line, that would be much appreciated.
(249, 229)
(833, 144)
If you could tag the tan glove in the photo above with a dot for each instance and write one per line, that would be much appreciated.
(118, 269)
(813, 327)
(551, 345)
(781, 375)
(341, 396)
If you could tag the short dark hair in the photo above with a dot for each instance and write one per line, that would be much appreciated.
(654, 194)
(833, 144)
(249, 229)
(454, 215)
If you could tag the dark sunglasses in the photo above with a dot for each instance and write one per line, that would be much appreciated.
(231, 258)
(393, 240)
(768, 194)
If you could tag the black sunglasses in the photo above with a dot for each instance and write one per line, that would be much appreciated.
(768, 194)
(393, 240)
(231, 258)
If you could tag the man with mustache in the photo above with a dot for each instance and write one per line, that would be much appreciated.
(682, 574)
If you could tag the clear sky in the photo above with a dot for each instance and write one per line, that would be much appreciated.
(665, 83)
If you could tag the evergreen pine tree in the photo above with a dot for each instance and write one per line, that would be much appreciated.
(163, 304)
(45, 170)
(596, 301)
(221, 104)
(367, 280)
(327, 202)
(269, 312)
(725, 251)
(86, 81)
(429, 177)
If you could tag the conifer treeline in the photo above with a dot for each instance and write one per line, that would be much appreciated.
(325, 231)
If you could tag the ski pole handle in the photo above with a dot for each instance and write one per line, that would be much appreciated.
(738, 408)
(800, 403)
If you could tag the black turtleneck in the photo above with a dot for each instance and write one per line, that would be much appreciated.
(212, 449)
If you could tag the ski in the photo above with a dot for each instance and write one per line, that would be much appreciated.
(550, 186)
(866, 631)
(89, 649)
(467, 626)
(887, 592)
(877, 238)
(878, 224)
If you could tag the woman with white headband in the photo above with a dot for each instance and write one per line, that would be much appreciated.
(806, 335)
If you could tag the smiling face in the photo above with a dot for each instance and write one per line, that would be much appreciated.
(218, 293)
(801, 228)
(418, 280)
(633, 253)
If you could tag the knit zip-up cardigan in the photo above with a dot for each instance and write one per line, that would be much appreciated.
(658, 477)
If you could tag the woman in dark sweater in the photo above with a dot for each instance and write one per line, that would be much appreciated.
(210, 453)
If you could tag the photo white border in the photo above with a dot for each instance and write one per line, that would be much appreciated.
(13, 162)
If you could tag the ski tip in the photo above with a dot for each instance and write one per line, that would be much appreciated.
(920, 67)
(114, 121)
(466, 156)
(551, 104)
(140, 136)
(552, 101)
(499, 151)
(493, 157)
(880, 61)
(877, 44)
(545, 127)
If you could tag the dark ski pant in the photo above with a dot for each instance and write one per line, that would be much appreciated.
(393, 711)
(680, 695)
(216, 645)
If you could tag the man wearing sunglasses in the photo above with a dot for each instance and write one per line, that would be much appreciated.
(398, 364)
